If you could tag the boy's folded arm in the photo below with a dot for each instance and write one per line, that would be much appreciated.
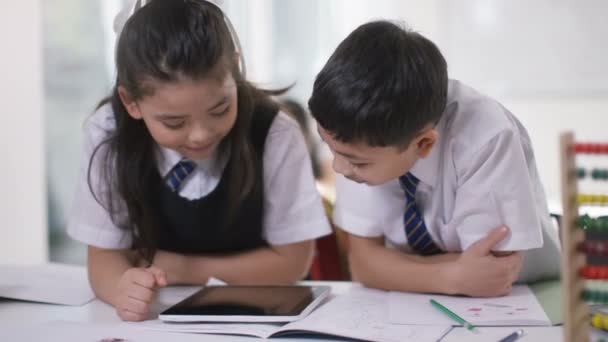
(377, 266)
(475, 272)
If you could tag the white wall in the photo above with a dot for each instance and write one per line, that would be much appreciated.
(23, 197)
(548, 69)
(546, 118)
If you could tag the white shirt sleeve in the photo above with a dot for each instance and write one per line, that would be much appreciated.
(293, 210)
(494, 189)
(365, 210)
(89, 222)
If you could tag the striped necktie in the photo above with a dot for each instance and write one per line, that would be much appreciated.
(179, 173)
(417, 235)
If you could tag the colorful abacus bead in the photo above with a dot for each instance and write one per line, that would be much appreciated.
(596, 321)
(597, 248)
(599, 174)
(594, 272)
(583, 221)
(581, 173)
(592, 224)
(580, 148)
(595, 174)
(595, 296)
(600, 321)
(590, 148)
(582, 199)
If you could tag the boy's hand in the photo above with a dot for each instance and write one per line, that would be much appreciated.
(136, 291)
(480, 273)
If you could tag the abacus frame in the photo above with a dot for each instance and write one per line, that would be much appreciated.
(575, 310)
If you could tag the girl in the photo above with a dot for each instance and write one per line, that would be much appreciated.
(189, 169)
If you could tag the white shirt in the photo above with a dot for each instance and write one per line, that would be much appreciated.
(293, 210)
(481, 174)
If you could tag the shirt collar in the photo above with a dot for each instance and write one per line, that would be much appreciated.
(168, 158)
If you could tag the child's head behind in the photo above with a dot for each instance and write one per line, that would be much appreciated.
(377, 99)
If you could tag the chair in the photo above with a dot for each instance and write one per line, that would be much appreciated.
(331, 257)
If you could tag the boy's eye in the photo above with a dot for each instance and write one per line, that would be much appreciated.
(359, 165)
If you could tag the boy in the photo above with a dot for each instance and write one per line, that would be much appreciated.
(431, 168)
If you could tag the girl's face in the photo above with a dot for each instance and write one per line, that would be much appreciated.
(188, 116)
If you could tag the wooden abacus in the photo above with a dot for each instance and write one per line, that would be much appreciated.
(584, 239)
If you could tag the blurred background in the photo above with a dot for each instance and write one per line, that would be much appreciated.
(543, 59)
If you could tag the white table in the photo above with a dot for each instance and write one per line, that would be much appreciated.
(16, 315)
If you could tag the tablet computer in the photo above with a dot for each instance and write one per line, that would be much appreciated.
(247, 303)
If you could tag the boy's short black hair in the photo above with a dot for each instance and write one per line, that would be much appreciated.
(381, 86)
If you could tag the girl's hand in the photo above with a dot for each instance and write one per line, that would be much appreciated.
(136, 291)
(480, 273)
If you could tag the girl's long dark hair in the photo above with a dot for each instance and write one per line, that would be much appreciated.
(165, 41)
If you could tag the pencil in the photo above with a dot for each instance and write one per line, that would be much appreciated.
(452, 315)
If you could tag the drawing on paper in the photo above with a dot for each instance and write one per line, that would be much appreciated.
(495, 310)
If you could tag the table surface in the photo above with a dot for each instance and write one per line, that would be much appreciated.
(18, 316)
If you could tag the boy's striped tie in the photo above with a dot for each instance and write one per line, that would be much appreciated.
(415, 230)
(179, 173)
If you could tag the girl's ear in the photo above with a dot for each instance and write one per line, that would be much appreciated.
(129, 103)
(425, 142)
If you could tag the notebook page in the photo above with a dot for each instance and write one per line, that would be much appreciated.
(519, 308)
(363, 314)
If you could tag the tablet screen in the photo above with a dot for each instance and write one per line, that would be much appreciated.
(245, 301)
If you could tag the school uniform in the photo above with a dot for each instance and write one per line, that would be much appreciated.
(286, 210)
(481, 174)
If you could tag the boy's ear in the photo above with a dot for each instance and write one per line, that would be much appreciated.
(425, 141)
(130, 105)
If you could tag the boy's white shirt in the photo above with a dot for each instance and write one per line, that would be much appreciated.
(480, 175)
(293, 210)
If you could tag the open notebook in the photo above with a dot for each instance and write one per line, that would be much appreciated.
(359, 314)
(520, 308)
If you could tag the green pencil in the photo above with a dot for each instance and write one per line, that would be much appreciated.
(452, 315)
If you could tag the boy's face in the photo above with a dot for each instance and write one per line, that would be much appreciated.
(191, 117)
(377, 165)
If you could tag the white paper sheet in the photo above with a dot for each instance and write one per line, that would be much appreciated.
(46, 283)
(485, 334)
(61, 331)
(520, 308)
